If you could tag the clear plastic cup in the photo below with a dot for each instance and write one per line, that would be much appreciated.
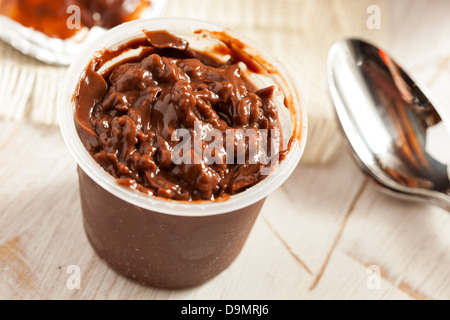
(169, 243)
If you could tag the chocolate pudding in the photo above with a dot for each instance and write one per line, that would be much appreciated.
(51, 17)
(127, 115)
(145, 113)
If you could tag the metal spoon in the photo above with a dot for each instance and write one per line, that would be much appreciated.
(387, 122)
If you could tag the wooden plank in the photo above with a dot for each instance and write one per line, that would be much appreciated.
(309, 208)
(346, 278)
(409, 241)
(7, 131)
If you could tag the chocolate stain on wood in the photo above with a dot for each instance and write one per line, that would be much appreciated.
(413, 293)
(13, 264)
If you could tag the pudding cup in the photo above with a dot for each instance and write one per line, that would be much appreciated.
(169, 243)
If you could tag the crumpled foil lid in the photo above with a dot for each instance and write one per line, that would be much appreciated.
(53, 50)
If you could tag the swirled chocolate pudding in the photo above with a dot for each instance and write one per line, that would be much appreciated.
(156, 120)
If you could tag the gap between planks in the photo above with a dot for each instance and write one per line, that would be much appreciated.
(287, 247)
(338, 235)
(402, 286)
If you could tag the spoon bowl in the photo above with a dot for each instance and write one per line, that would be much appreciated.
(392, 129)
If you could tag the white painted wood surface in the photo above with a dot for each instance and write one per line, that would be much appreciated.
(315, 238)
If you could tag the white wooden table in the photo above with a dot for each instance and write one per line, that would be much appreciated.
(316, 237)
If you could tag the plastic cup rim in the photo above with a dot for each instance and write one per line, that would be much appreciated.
(153, 203)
